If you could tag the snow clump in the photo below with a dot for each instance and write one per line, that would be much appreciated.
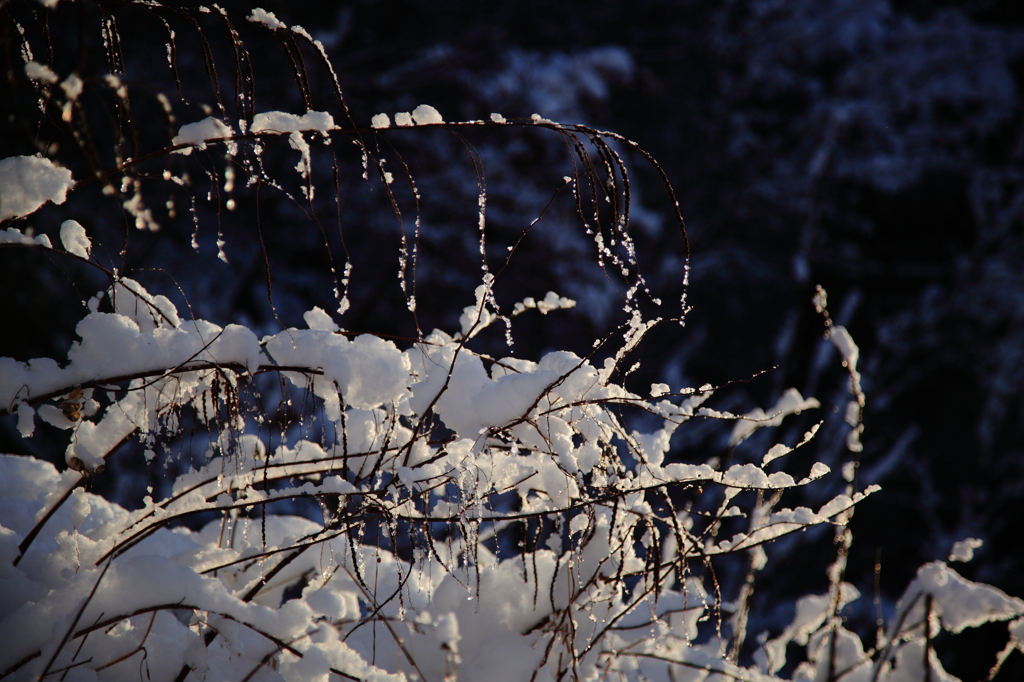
(425, 114)
(282, 122)
(199, 133)
(74, 239)
(261, 16)
(40, 72)
(72, 87)
(964, 549)
(13, 235)
(28, 182)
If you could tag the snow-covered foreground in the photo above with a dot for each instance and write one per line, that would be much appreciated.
(603, 576)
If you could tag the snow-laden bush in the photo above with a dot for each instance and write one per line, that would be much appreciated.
(538, 538)
(477, 517)
(405, 569)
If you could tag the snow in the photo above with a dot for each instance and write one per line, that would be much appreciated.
(13, 235)
(144, 335)
(425, 114)
(72, 87)
(28, 182)
(551, 301)
(1016, 629)
(40, 72)
(533, 430)
(812, 611)
(790, 402)
(283, 122)
(963, 550)
(477, 317)
(26, 420)
(74, 239)
(305, 165)
(261, 16)
(447, 631)
(910, 665)
(94, 441)
(844, 343)
(957, 602)
(367, 371)
(835, 649)
(198, 133)
(401, 435)
(317, 318)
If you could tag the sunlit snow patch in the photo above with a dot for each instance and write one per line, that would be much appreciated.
(198, 133)
(28, 182)
(40, 72)
(964, 549)
(74, 239)
(13, 235)
(283, 122)
(261, 16)
(425, 114)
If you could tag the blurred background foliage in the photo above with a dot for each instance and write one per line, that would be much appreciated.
(874, 147)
